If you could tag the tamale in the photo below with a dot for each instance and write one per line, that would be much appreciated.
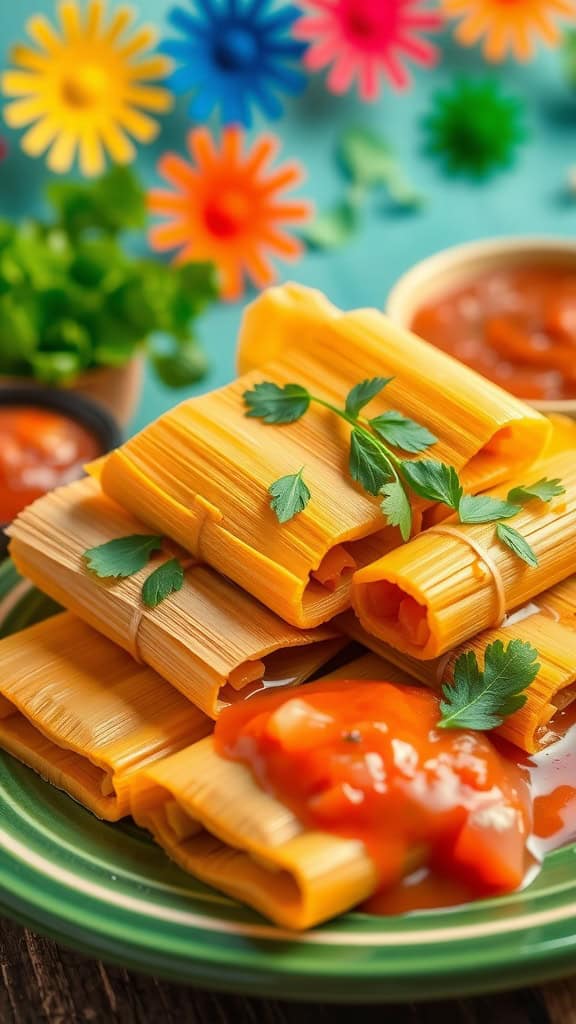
(548, 623)
(83, 714)
(201, 472)
(227, 811)
(454, 580)
(214, 820)
(211, 640)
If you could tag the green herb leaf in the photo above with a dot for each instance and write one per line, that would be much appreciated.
(517, 543)
(434, 480)
(122, 557)
(182, 367)
(396, 508)
(368, 464)
(290, 495)
(401, 432)
(115, 202)
(543, 489)
(56, 368)
(333, 228)
(482, 509)
(363, 393)
(370, 162)
(274, 404)
(165, 580)
(482, 700)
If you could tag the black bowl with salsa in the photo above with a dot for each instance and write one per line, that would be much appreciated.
(46, 437)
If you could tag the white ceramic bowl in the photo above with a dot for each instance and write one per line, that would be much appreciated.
(451, 268)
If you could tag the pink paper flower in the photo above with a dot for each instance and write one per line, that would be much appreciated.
(363, 39)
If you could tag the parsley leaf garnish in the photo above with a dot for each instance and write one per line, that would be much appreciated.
(434, 480)
(543, 489)
(482, 509)
(396, 508)
(274, 404)
(122, 557)
(483, 699)
(402, 432)
(165, 580)
(379, 469)
(517, 543)
(368, 465)
(364, 392)
(290, 495)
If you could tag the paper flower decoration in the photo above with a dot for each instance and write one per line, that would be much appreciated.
(363, 39)
(508, 26)
(86, 88)
(473, 128)
(228, 208)
(235, 54)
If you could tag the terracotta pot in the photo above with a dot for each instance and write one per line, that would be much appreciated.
(450, 268)
(118, 389)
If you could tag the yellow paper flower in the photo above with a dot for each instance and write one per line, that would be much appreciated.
(508, 26)
(86, 88)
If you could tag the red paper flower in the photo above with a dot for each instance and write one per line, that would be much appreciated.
(228, 208)
(364, 39)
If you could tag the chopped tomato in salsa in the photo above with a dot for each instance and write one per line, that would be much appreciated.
(39, 449)
(517, 327)
(366, 760)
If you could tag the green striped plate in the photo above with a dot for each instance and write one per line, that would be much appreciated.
(109, 891)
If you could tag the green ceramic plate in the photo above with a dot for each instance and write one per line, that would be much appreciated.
(109, 891)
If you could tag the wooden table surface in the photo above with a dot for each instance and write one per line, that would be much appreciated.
(42, 983)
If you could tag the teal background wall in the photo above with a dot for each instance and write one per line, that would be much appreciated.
(529, 199)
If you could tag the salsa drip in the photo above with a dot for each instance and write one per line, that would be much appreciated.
(367, 760)
(39, 449)
(517, 327)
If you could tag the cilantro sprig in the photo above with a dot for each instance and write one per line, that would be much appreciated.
(125, 556)
(377, 463)
(374, 463)
(482, 698)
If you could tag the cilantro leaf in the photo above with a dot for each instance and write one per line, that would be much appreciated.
(273, 404)
(363, 393)
(401, 432)
(517, 543)
(290, 495)
(368, 463)
(122, 557)
(165, 580)
(333, 228)
(544, 489)
(182, 366)
(482, 700)
(396, 508)
(482, 509)
(369, 162)
(434, 480)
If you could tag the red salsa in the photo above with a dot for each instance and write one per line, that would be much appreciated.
(366, 760)
(517, 327)
(39, 449)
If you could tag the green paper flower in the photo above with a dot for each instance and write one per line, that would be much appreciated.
(474, 129)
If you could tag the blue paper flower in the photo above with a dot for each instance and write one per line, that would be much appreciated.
(236, 54)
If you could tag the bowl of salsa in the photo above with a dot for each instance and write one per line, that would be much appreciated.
(506, 307)
(46, 438)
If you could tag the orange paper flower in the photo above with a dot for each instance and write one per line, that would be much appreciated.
(228, 208)
(508, 26)
(86, 86)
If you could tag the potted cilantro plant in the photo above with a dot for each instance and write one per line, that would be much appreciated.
(78, 310)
